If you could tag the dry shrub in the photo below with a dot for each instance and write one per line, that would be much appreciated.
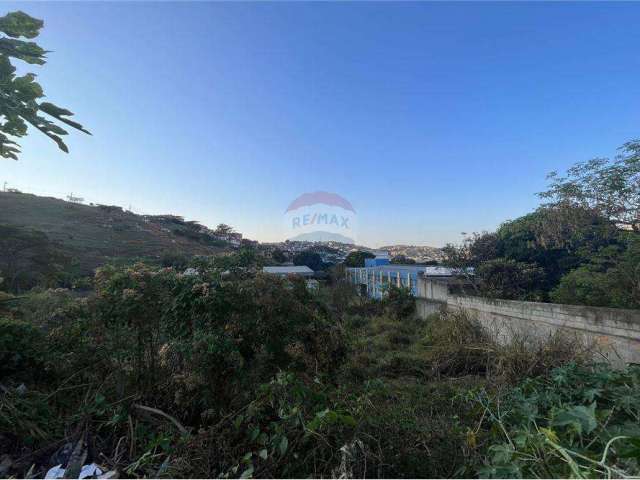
(526, 355)
(460, 345)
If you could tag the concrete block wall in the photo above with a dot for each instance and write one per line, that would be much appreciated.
(425, 307)
(615, 332)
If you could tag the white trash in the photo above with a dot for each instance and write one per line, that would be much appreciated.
(91, 470)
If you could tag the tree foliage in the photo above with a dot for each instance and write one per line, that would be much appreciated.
(279, 256)
(399, 302)
(526, 258)
(402, 260)
(20, 96)
(223, 229)
(311, 259)
(611, 278)
(507, 279)
(609, 187)
(356, 259)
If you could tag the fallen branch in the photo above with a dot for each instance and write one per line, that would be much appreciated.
(165, 415)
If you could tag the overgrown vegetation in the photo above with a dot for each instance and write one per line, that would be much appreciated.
(577, 422)
(227, 372)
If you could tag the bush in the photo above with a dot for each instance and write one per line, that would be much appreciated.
(45, 308)
(399, 302)
(200, 340)
(292, 428)
(458, 344)
(366, 307)
(21, 348)
(196, 348)
(230, 374)
(177, 260)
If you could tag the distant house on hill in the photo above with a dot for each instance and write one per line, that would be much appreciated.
(285, 270)
(233, 238)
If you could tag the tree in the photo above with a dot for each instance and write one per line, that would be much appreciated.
(311, 259)
(609, 187)
(556, 239)
(464, 258)
(402, 260)
(475, 249)
(610, 279)
(279, 256)
(356, 259)
(20, 103)
(223, 229)
(510, 280)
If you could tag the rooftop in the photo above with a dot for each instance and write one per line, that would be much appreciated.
(288, 269)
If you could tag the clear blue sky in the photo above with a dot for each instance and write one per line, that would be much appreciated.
(431, 118)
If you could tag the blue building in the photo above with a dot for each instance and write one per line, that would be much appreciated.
(381, 258)
(379, 274)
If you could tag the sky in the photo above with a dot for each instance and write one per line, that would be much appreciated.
(432, 119)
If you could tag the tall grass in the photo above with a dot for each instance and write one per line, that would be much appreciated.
(460, 345)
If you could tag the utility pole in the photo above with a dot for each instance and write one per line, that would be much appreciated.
(4, 187)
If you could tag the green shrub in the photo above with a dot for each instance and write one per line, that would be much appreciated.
(45, 308)
(200, 339)
(291, 428)
(21, 347)
(399, 302)
(356, 322)
(410, 429)
(579, 422)
(366, 307)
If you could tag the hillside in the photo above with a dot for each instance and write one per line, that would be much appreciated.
(334, 251)
(416, 252)
(93, 235)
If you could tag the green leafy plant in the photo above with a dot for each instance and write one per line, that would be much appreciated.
(21, 347)
(20, 96)
(399, 302)
(580, 422)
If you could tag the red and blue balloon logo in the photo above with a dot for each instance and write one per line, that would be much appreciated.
(320, 217)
